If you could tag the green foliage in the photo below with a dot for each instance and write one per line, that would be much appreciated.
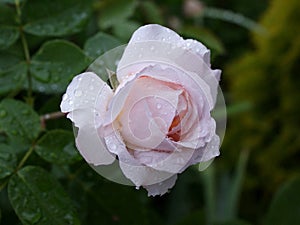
(58, 18)
(16, 119)
(57, 147)
(8, 160)
(38, 198)
(267, 79)
(285, 205)
(8, 36)
(55, 64)
(44, 44)
(99, 44)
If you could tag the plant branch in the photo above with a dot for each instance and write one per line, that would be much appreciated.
(50, 116)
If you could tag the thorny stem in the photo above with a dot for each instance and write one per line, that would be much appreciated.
(26, 52)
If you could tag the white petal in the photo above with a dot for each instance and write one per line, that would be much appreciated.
(85, 100)
(154, 44)
(172, 162)
(162, 187)
(142, 175)
(88, 142)
(206, 153)
(146, 113)
(83, 92)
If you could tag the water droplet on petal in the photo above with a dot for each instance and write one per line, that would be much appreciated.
(158, 106)
(71, 102)
(137, 187)
(151, 48)
(79, 78)
(77, 93)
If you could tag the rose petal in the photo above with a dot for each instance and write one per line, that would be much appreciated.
(83, 91)
(143, 175)
(162, 187)
(172, 162)
(89, 144)
(85, 100)
(206, 153)
(155, 32)
(146, 113)
(151, 45)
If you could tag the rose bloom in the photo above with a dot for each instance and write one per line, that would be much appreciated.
(158, 120)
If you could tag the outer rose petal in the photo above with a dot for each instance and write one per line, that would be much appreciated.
(204, 154)
(154, 44)
(85, 100)
(162, 187)
(143, 175)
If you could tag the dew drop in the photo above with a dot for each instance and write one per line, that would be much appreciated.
(79, 78)
(77, 93)
(71, 102)
(158, 106)
(137, 187)
(163, 39)
(151, 48)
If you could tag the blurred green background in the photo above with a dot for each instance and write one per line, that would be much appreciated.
(43, 180)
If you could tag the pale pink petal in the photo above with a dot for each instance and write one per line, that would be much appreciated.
(143, 175)
(89, 144)
(146, 113)
(85, 101)
(83, 92)
(172, 162)
(161, 187)
(206, 153)
(116, 145)
(150, 45)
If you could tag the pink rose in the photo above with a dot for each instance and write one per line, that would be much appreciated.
(158, 120)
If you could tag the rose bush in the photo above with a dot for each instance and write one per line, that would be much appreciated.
(158, 120)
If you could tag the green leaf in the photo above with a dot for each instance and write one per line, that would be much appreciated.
(99, 44)
(115, 12)
(38, 198)
(234, 222)
(57, 146)
(152, 12)
(54, 65)
(125, 29)
(12, 1)
(59, 20)
(7, 14)
(285, 206)
(12, 73)
(8, 36)
(19, 121)
(8, 160)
